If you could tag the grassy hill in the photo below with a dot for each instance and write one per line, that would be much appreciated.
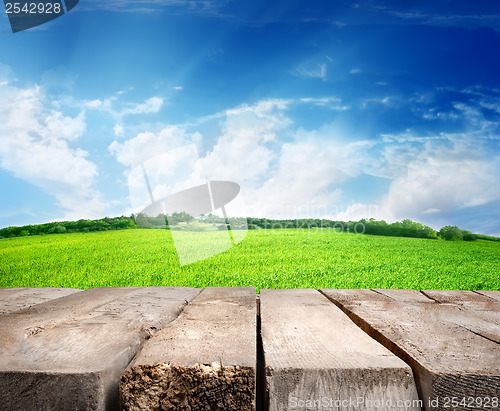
(291, 258)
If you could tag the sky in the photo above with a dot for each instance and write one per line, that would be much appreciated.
(383, 109)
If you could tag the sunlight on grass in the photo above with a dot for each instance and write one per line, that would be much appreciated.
(265, 259)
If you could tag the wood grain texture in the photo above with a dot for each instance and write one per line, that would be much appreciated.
(69, 353)
(14, 299)
(450, 340)
(314, 352)
(490, 293)
(205, 359)
(483, 312)
(466, 299)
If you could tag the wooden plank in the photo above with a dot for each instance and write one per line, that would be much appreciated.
(465, 299)
(483, 312)
(473, 302)
(316, 357)
(449, 358)
(490, 293)
(402, 295)
(205, 359)
(69, 353)
(13, 299)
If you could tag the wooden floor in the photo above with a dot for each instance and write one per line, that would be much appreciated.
(175, 348)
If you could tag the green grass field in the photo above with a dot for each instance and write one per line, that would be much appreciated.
(265, 259)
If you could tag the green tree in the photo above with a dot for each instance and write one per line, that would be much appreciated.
(451, 233)
(468, 236)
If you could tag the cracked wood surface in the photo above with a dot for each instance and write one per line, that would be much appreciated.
(205, 359)
(450, 338)
(67, 349)
(313, 351)
(69, 353)
(14, 299)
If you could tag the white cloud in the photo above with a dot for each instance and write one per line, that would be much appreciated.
(301, 182)
(310, 170)
(120, 92)
(318, 72)
(333, 103)
(472, 114)
(262, 109)
(148, 144)
(177, 88)
(407, 137)
(60, 127)
(444, 176)
(203, 7)
(355, 71)
(167, 173)
(387, 100)
(278, 177)
(35, 148)
(431, 179)
(283, 178)
(94, 103)
(152, 105)
(118, 130)
(242, 152)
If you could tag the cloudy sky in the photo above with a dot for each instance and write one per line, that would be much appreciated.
(328, 109)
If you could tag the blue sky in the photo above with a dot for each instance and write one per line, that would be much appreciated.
(325, 109)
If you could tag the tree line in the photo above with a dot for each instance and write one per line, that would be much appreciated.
(405, 228)
(80, 226)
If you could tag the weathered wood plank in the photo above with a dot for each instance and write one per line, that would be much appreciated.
(483, 316)
(490, 293)
(13, 299)
(440, 341)
(314, 352)
(400, 295)
(205, 359)
(467, 299)
(69, 353)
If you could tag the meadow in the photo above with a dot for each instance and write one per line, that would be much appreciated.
(285, 258)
